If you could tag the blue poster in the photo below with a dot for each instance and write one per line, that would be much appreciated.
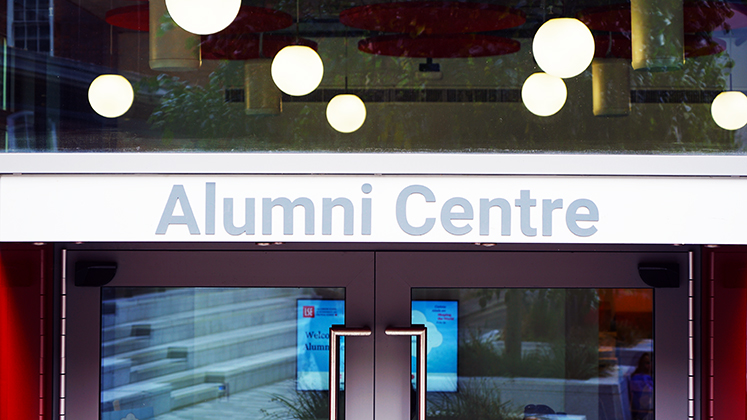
(314, 317)
(440, 318)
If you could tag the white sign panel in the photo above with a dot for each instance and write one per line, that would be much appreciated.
(485, 209)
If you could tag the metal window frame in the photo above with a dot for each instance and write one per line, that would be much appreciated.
(375, 164)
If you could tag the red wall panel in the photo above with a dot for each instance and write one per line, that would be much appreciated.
(25, 332)
(724, 295)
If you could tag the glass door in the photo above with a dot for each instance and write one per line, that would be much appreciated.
(194, 335)
(575, 336)
(186, 335)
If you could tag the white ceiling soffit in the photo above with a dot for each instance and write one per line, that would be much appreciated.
(374, 164)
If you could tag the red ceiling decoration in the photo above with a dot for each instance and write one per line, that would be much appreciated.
(696, 45)
(246, 47)
(701, 16)
(429, 18)
(249, 20)
(258, 19)
(439, 46)
(129, 17)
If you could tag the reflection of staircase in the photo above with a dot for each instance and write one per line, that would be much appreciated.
(174, 348)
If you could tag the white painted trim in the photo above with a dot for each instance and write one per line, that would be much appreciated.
(268, 163)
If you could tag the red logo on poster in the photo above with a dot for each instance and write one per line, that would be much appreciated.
(308, 311)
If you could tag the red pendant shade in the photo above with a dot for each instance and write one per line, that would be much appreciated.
(246, 47)
(429, 18)
(129, 17)
(696, 45)
(439, 46)
(701, 16)
(435, 29)
(249, 20)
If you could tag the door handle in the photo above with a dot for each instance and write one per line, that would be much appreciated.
(421, 332)
(335, 332)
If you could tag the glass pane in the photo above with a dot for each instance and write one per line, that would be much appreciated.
(196, 353)
(573, 354)
(448, 78)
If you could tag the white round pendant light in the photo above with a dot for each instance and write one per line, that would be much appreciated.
(543, 94)
(297, 70)
(346, 113)
(203, 17)
(110, 95)
(729, 110)
(563, 47)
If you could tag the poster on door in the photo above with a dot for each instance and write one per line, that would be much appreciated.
(440, 319)
(313, 319)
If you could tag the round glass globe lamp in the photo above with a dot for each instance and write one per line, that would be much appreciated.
(203, 17)
(110, 95)
(729, 110)
(563, 47)
(297, 70)
(346, 113)
(543, 94)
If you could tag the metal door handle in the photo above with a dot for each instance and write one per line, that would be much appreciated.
(335, 332)
(421, 332)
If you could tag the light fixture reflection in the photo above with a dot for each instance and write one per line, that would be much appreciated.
(657, 34)
(262, 96)
(543, 94)
(610, 87)
(171, 48)
(110, 95)
(297, 70)
(346, 113)
(203, 17)
(729, 110)
(563, 47)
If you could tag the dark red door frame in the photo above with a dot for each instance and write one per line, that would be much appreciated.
(724, 327)
(26, 332)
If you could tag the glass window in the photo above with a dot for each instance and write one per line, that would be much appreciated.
(437, 77)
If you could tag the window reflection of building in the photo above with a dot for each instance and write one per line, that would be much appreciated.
(21, 132)
(30, 25)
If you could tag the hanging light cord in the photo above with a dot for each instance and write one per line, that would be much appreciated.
(261, 42)
(346, 61)
(111, 39)
(544, 11)
(298, 21)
